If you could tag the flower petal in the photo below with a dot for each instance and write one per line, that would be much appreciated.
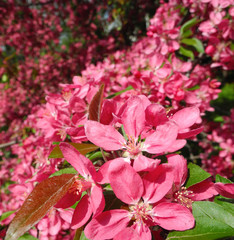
(179, 164)
(157, 183)
(155, 114)
(173, 216)
(68, 200)
(203, 190)
(82, 164)
(82, 213)
(142, 163)
(191, 133)
(104, 136)
(125, 182)
(97, 200)
(55, 225)
(186, 117)
(102, 176)
(162, 138)
(226, 190)
(133, 117)
(107, 224)
(177, 144)
(142, 230)
(127, 234)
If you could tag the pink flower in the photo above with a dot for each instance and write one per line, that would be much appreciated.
(91, 203)
(132, 116)
(182, 195)
(185, 118)
(142, 210)
(225, 189)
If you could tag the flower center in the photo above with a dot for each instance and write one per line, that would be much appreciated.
(80, 185)
(62, 133)
(141, 212)
(183, 197)
(66, 95)
(133, 147)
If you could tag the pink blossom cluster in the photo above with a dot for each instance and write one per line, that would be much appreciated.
(151, 192)
(154, 100)
(34, 56)
(217, 156)
(218, 31)
(30, 166)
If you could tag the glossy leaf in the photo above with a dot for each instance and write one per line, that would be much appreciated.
(194, 88)
(83, 237)
(196, 175)
(186, 26)
(97, 155)
(69, 170)
(83, 148)
(27, 236)
(95, 105)
(187, 33)
(221, 179)
(212, 222)
(187, 53)
(5, 215)
(194, 42)
(120, 92)
(45, 195)
(225, 203)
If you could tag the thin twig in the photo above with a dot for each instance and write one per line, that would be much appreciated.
(3, 145)
(103, 155)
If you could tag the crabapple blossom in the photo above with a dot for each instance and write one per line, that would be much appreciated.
(141, 196)
(91, 203)
(186, 196)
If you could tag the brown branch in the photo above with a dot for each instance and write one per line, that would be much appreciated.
(8, 144)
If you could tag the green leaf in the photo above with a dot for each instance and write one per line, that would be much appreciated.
(83, 237)
(194, 42)
(188, 33)
(56, 153)
(4, 78)
(218, 119)
(194, 88)
(224, 103)
(120, 92)
(27, 236)
(96, 155)
(226, 203)
(83, 148)
(187, 53)
(5, 215)
(196, 175)
(186, 26)
(64, 171)
(45, 195)
(212, 222)
(95, 105)
(221, 179)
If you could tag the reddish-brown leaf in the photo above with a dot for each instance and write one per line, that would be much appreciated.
(83, 148)
(95, 105)
(45, 195)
